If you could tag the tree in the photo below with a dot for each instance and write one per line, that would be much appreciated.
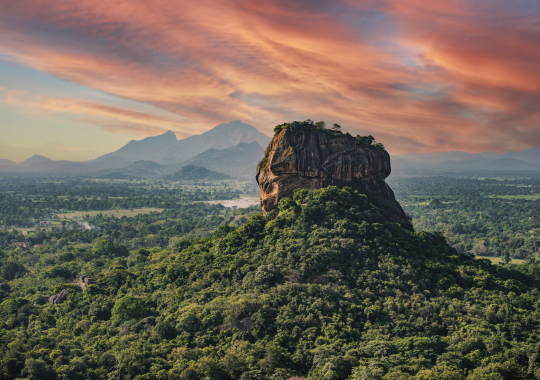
(320, 124)
(11, 270)
(104, 248)
(506, 258)
(128, 308)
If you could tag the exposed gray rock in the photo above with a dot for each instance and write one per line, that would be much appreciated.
(84, 282)
(246, 324)
(58, 298)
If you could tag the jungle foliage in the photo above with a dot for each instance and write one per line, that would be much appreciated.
(331, 289)
(26, 201)
(488, 217)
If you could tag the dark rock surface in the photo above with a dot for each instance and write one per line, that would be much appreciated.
(316, 159)
(58, 298)
(246, 324)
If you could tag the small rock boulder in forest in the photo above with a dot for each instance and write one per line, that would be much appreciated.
(84, 282)
(58, 298)
(303, 155)
(246, 324)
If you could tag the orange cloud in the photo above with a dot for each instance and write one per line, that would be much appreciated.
(419, 76)
(112, 118)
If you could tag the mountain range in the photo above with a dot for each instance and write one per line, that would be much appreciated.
(166, 149)
(458, 161)
(235, 148)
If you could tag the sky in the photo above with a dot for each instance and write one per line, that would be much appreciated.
(79, 79)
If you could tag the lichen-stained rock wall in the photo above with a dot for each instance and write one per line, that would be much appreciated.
(316, 159)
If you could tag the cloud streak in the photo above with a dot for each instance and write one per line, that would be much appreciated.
(420, 77)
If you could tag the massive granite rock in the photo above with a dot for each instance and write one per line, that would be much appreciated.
(313, 159)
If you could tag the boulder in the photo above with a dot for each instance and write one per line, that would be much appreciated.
(84, 282)
(58, 298)
(246, 324)
(313, 158)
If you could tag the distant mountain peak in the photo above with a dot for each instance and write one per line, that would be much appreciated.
(167, 149)
(169, 135)
(35, 159)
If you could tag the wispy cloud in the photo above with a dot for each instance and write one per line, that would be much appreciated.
(420, 76)
(111, 118)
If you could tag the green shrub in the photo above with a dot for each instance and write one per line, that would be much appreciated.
(128, 308)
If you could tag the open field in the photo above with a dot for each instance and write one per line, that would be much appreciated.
(117, 213)
(497, 260)
(531, 197)
(25, 230)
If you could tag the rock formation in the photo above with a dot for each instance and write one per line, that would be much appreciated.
(58, 298)
(85, 282)
(313, 158)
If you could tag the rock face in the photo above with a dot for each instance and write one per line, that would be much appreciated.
(316, 159)
(58, 298)
(84, 282)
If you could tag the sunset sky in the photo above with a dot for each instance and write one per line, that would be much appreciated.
(81, 78)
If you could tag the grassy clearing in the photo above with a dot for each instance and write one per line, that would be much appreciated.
(528, 197)
(497, 260)
(117, 213)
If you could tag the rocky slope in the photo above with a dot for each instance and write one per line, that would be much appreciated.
(312, 158)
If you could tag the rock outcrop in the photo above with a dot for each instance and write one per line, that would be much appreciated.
(85, 282)
(312, 158)
(58, 298)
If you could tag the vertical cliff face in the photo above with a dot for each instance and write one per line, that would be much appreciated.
(313, 159)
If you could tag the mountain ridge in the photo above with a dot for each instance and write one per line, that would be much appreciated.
(528, 159)
(166, 149)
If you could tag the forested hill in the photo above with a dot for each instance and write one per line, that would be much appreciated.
(326, 289)
(192, 172)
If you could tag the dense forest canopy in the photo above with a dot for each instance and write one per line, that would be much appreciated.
(24, 202)
(488, 217)
(327, 289)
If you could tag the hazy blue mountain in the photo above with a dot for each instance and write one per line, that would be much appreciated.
(166, 149)
(63, 166)
(530, 155)
(109, 162)
(479, 163)
(191, 172)
(221, 137)
(35, 159)
(6, 162)
(508, 163)
(142, 149)
(237, 161)
(138, 169)
(439, 157)
(39, 163)
(464, 161)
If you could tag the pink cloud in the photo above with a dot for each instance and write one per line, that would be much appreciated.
(423, 77)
